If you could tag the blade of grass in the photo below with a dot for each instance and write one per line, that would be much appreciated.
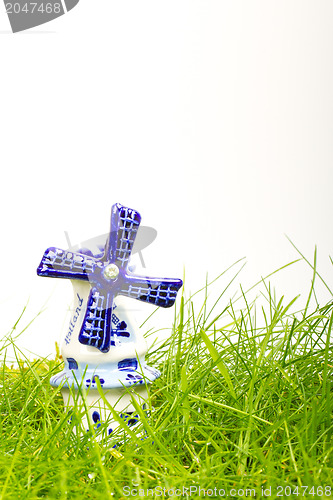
(217, 360)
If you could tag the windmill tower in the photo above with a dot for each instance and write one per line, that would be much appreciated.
(102, 341)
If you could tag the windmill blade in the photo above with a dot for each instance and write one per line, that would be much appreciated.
(57, 263)
(96, 330)
(125, 223)
(160, 292)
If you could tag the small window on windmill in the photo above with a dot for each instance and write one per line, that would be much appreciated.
(72, 364)
(121, 330)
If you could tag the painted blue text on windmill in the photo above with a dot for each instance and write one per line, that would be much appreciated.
(74, 320)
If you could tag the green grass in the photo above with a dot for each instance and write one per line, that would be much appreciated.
(244, 403)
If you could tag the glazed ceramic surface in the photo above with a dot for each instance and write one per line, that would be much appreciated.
(103, 340)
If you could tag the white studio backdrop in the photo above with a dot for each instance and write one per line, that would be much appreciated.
(213, 119)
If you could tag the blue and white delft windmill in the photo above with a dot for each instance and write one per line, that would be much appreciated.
(103, 341)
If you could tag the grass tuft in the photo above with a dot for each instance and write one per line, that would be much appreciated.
(244, 404)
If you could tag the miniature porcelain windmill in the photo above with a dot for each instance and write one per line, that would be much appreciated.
(103, 340)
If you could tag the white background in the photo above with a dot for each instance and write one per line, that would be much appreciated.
(212, 118)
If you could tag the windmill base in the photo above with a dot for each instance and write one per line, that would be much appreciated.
(96, 411)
